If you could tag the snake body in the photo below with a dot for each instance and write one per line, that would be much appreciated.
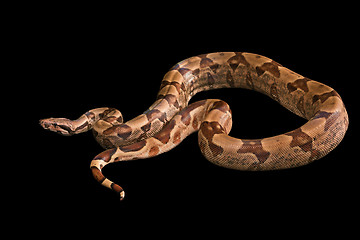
(171, 118)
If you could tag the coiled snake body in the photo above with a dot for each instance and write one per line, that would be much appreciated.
(170, 119)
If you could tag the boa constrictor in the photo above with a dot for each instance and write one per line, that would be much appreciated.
(170, 119)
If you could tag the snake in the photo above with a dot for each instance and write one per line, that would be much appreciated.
(171, 118)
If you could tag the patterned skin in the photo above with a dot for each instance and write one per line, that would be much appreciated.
(171, 119)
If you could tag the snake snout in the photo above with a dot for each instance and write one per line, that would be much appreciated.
(43, 123)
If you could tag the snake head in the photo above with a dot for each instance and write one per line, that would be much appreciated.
(62, 126)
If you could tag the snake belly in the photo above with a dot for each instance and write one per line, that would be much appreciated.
(171, 118)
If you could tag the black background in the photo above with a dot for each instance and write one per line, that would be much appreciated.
(76, 60)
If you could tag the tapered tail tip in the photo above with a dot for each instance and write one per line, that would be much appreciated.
(119, 190)
(122, 195)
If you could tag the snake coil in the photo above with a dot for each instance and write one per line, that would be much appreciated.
(170, 118)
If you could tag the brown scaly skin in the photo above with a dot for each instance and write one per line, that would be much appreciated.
(170, 119)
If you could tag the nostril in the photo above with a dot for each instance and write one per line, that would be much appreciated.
(43, 123)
